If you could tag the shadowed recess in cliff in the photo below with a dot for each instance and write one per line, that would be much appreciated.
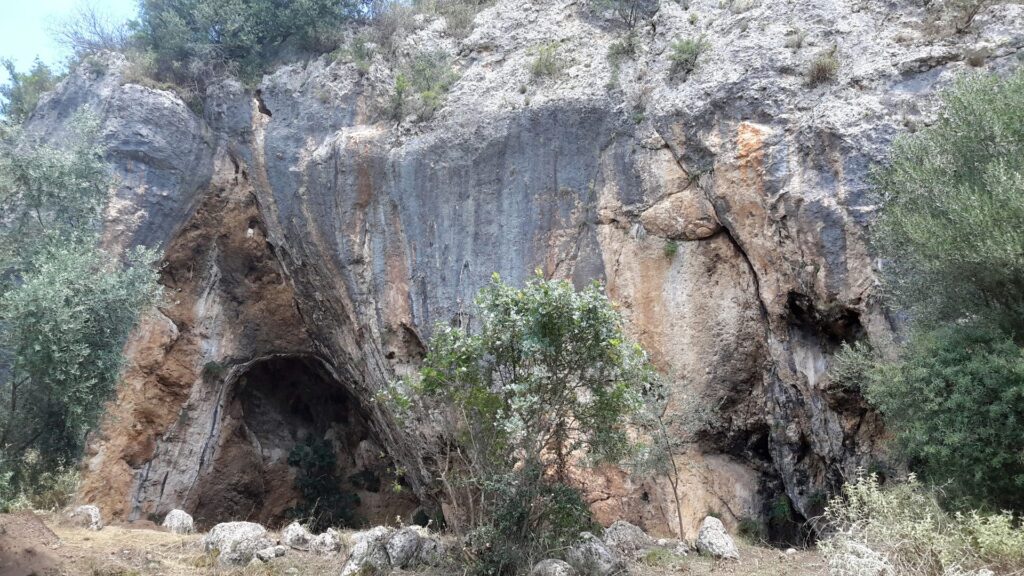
(276, 409)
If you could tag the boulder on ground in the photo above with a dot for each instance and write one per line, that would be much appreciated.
(403, 547)
(268, 554)
(296, 536)
(714, 540)
(431, 551)
(592, 557)
(673, 545)
(87, 516)
(236, 542)
(179, 522)
(627, 540)
(552, 567)
(369, 556)
(326, 544)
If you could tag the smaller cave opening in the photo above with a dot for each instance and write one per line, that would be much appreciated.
(292, 438)
(832, 326)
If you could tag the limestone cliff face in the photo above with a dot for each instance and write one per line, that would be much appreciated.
(311, 245)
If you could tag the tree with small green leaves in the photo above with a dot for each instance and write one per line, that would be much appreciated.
(20, 94)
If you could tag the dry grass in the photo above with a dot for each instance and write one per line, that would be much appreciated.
(122, 551)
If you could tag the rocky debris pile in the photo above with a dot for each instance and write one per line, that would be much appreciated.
(236, 543)
(297, 537)
(86, 516)
(327, 543)
(179, 522)
(381, 549)
(714, 540)
(552, 567)
(269, 553)
(591, 556)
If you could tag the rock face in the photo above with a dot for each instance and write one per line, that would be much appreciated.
(310, 239)
(236, 543)
(179, 522)
(87, 516)
(714, 540)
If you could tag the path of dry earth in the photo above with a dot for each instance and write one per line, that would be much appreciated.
(42, 545)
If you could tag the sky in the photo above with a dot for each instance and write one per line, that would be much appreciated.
(25, 27)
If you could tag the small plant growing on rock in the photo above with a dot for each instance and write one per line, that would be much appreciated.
(420, 86)
(685, 53)
(630, 12)
(546, 61)
(671, 248)
(823, 68)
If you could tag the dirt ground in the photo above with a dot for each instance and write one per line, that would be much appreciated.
(43, 545)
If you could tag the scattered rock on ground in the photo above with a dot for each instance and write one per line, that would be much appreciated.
(369, 556)
(552, 567)
(179, 522)
(592, 557)
(673, 545)
(87, 516)
(403, 547)
(236, 542)
(296, 536)
(627, 540)
(714, 540)
(431, 551)
(326, 544)
(269, 553)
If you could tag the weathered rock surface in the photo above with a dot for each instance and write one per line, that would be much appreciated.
(627, 540)
(326, 544)
(236, 543)
(179, 522)
(714, 540)
(592, 557)
(324, 241)
(269, 553)
(86, 516)
(552, 567)
(369, 554)
(296, 536)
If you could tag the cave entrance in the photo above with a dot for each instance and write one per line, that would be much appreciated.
(288, 420)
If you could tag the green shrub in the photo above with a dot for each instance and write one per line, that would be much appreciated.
(953, 203)
(902, 529)
(20, 94)
(548, 375)
(546, 61)
(823, 68)
(324, 503)
(954, 402)
(671, 248)
(421, 84)
(685, 53)
(66, 307)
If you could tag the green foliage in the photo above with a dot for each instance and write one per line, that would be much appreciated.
(619, 51)
(546, 61)
(823, 68)
(458, 14)
(671, 248)
(533, 518)
(324, 503)
(547, 376)
(902, 529)
(955, 401)
(194, 39)
(21, 93)
(954, 203)
(26, 483)
(66, 307)
(421, 84)
(685, 53)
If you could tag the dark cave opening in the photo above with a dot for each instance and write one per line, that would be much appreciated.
(832, 327)
(276, 408)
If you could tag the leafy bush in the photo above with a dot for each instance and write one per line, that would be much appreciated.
(955, 401)
(685, 53)
(421, 84)
(324, 503)
(19, 96)
(193, 40)
(902, 529)
(954, 200)
(66, 307)
(546, 61)
(547, 377)
(823, 68)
